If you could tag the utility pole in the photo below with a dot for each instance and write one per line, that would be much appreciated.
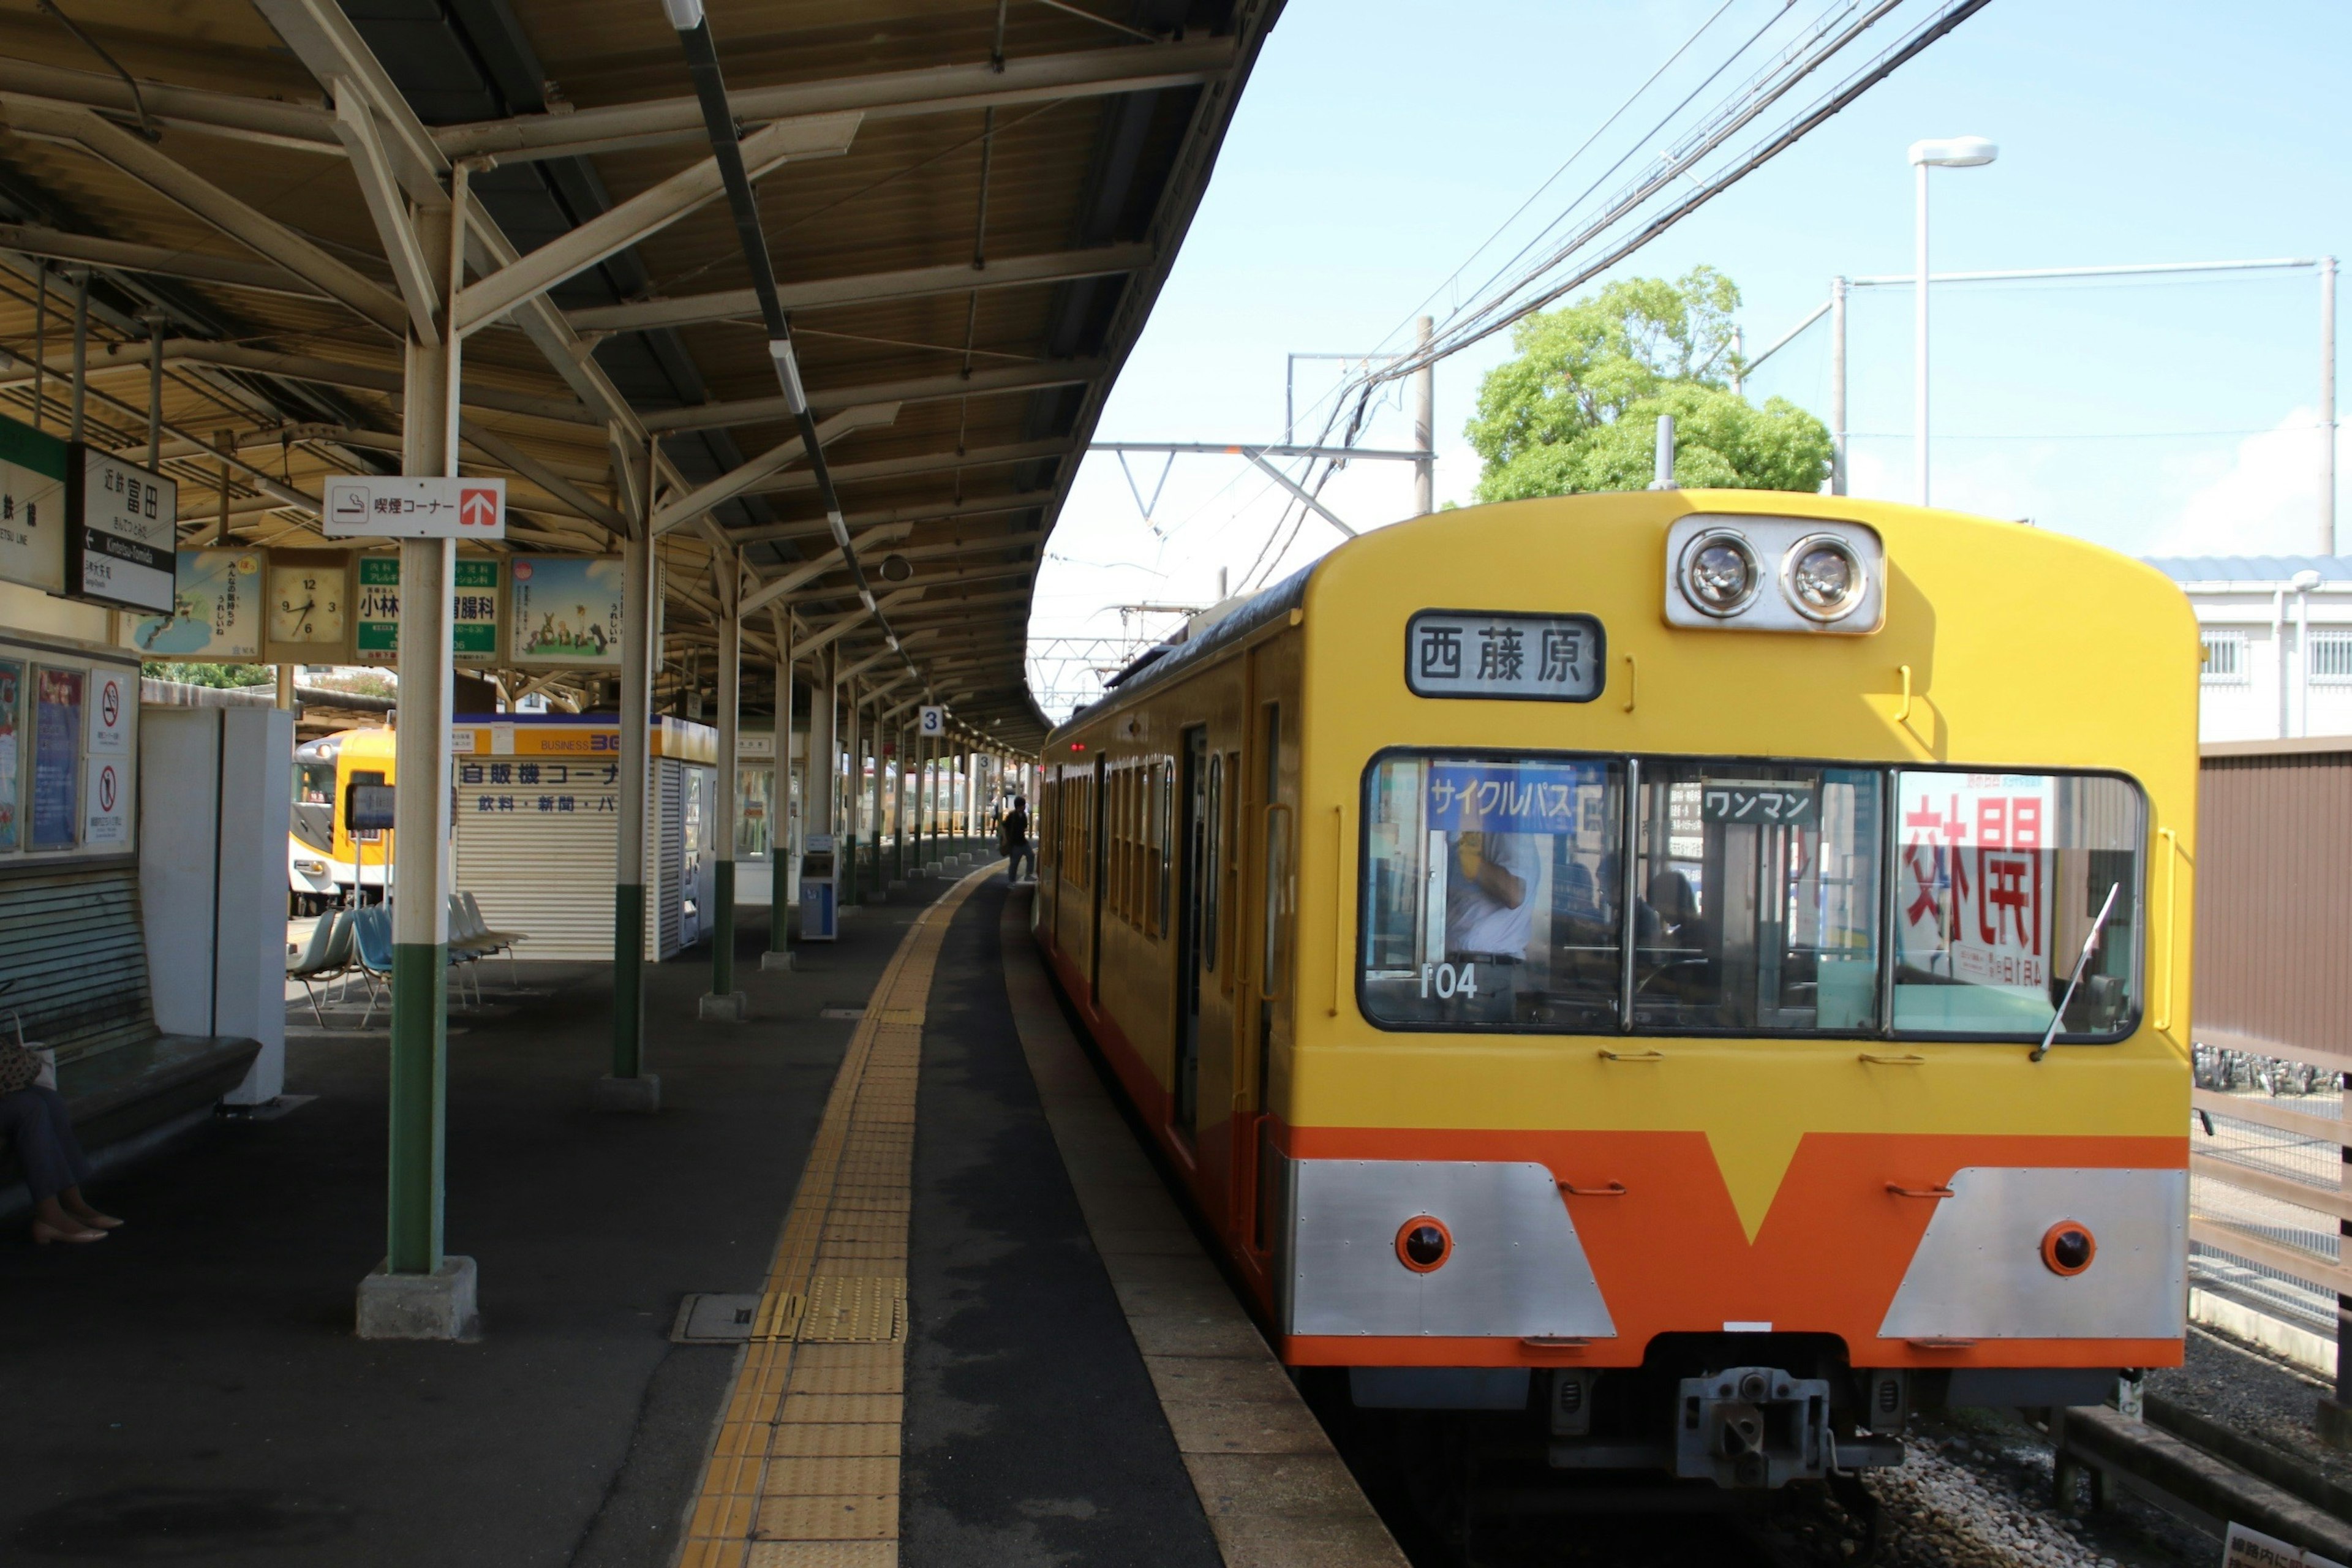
(1425, 423)
(2327, 406)
(1837, 387)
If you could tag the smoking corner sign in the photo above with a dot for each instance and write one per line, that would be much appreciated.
(401, 506)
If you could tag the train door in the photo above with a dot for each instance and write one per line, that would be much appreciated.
(1263, 956)
(1195, 924)
(1095, 849)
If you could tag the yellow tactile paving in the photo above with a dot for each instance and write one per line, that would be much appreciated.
(803, 1472)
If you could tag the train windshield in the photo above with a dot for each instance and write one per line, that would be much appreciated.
(2000, 881)
(1497, 893)
(1493, 892)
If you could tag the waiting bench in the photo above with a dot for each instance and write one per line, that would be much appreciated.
(71, 940)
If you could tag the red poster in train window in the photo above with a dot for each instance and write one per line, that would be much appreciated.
(1974, 879)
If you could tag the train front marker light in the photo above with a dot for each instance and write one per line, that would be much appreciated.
(1719, 573)
(1423, 1244)
(1824, 578)
(2068, 1249)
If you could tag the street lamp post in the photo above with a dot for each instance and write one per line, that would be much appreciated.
(1946, 153)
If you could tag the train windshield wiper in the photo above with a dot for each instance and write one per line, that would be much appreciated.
(2082, 961)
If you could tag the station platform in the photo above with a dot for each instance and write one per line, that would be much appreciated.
(947, 1313)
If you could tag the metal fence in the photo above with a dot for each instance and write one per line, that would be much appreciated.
(2264, 1186)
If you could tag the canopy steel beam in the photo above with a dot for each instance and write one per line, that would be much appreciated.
(264, 236)
(882, 95)
(356, 123)
(816, 527)
(157, 260)
(727, 486)
(915, 389)
(915, 282)
(923, 463)
(775, 588)
(646, 213)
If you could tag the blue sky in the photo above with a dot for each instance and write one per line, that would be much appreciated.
(1374, 149)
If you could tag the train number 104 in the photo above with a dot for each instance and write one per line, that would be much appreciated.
(1450, 981)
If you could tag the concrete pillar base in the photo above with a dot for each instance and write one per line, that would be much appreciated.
(443, 1305)
(640, 1095)
(732, 1008)
(772, 960)
(2333, 1423)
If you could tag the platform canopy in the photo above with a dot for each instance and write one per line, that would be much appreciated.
(969, 205)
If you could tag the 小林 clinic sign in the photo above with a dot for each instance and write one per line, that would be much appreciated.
(400, 506)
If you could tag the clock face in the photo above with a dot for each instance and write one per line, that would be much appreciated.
(307, 603)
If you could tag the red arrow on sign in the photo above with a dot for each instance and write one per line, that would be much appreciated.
(477, 508)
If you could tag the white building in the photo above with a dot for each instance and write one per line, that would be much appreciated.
(2278, 643)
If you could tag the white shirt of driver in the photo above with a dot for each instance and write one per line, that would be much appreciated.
(1476, 920)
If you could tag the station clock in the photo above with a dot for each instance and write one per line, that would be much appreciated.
(309, 603)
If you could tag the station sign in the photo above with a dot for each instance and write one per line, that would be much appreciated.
(122, 533)
(935, 721)
(404, 506)
(32, 508)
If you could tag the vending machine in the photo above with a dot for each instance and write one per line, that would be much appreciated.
(820, 916)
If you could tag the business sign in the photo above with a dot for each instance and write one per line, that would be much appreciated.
(2243, 1547)
(935, 721)
(1514, 658)
(122, 533)
(474, 611)
(217, 610)
(567, 611)
(32, 508)
(401, 506)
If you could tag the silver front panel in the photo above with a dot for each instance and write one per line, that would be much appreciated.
(1979, 1272)
(1516, 1268)
(1771, 538)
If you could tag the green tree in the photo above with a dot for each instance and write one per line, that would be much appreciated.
(228, 675)
(1577, 409)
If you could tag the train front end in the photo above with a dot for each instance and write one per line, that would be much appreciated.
(1740, 976)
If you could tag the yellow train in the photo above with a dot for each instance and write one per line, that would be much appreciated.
(325, 864)
(1706, 969)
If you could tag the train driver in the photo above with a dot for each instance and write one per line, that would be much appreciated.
(1489, 919)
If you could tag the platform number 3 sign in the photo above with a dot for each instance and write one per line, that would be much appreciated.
(935, 719)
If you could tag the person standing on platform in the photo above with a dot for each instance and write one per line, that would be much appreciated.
(1013, 840)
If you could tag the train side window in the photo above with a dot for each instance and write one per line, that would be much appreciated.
(1998, 880)
(1213, 873)
(1759, 896)
(1167, 836)
(1491, 892)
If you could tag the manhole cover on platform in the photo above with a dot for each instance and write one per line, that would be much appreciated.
(846, 1014)
(731, 1319)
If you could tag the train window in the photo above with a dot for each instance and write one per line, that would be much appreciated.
(1491, 892)
(1999, 880)
(314, 784)
(1213, 870)
(1757, 898)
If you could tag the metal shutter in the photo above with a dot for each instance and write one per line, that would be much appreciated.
(548, 875)
(670, 856)
(72, 944)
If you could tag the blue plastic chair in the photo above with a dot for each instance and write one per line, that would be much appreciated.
(371, 939)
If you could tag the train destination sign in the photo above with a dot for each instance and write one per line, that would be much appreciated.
(406, 506)
(122, 533)
(1503, 655)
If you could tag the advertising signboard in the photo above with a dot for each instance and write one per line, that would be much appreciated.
(567, 611)
(474, 624)
(32, 508)
(217, 610)
(121, 543)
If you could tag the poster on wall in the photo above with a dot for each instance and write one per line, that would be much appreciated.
(57, 757)
(474, 611)
(567, 611)
(32, 508)
(106, 803)
(123, 525)
(113, 703)
(11, 710)
(217, 610)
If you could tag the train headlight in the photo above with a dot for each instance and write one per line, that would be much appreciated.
(1720, 573)
(311, 867)
(2068, 1247)
(1824, 578)
(1423, 1244)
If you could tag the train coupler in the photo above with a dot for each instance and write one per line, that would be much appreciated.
(1754, 1427)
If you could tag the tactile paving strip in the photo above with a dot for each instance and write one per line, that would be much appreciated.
(805, 1470)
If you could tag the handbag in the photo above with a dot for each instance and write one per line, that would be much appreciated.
(20, 1067)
